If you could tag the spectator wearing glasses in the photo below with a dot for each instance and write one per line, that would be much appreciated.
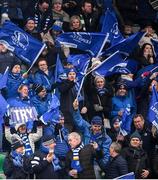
(44, 76)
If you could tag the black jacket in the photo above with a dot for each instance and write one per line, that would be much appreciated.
(137, 160)
(14, 172)
(116, 166)
(42, 168)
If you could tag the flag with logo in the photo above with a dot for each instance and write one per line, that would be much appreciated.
(20, 43)
(110, 25)
(115, 64)
(153, 107)
(85, 41)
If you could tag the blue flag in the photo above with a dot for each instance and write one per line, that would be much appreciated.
(20, 43)
(4, 78)
(127, 45)
(3, 107)
(114, 65)
(150, 68)
(126, 121)
(52, 115)
(153, 107)
(110, 25)
(89, 42)
(59, 70)
(127, 176)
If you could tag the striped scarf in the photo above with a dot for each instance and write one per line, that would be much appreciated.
(75, 163)
(25, 139)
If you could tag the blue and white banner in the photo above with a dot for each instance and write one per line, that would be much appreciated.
(110, 25)
(20, 43)
(89, 42)
(22, 114)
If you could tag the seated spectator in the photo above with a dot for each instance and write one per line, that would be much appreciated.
(117, 165)
(16, 164)
(79, 160)
(136, 157)
(45, 164)
(59, 14)
(94, 132)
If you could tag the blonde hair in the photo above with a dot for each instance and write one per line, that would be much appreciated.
(72, 19)
(75, 135)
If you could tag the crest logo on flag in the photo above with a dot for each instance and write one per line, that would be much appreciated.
(20, 39)
(115, 30)
(154, 108)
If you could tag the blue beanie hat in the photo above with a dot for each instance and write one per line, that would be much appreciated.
(68, 70)
(97, 120)
(116, 119)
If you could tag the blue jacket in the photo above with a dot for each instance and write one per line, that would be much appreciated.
(41, 105)
(13, 83)
(103, 141)
(43, 79)
(121, 103)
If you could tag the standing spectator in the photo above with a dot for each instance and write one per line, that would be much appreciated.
(28, 138)
(30, 28)
(89, 17)
(45, 164)
(136, 157)
(6, 58)
(101, 98)
(59, 14)
(117, 165)
(44, 76)
(79, 160)
(144, 129)
(16, 165)
(43, 16)
(15, 79)
(93, 132)
(75, 24)
(50, 39)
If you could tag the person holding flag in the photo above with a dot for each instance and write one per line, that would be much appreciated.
(68, 89)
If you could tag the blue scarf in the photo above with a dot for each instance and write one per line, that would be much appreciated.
(25, 139)
(55, 161)
(17, 158)
(75, 163)
(101, 91)
(94, 137)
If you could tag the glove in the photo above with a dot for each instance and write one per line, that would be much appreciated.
(6, 120)
(98, 108)
(39, 123)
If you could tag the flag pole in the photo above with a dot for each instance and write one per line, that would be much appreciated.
(105, 40)
(101, 63)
